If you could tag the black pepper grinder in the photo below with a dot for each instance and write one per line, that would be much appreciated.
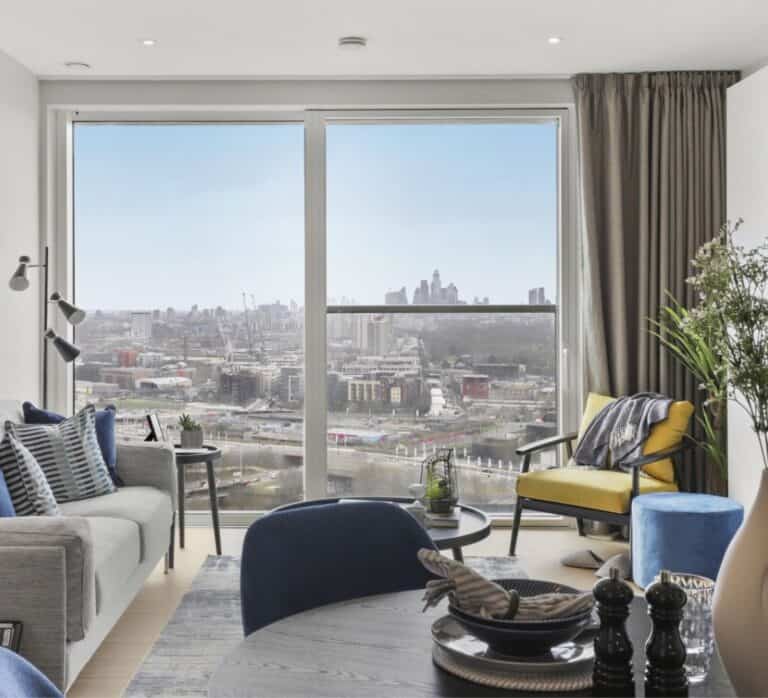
(612, 672)
(665, 652)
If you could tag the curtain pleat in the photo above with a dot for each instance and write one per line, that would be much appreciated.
(652, 170)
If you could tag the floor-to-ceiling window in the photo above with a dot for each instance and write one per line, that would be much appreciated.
(189, 258)
(442, 241)
(442, 278)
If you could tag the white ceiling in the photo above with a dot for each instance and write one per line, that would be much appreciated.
(407, 38)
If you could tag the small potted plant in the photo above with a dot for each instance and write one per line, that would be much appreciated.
(191, 432)
(438, 475)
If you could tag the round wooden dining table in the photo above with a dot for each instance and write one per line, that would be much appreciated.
(377, 647)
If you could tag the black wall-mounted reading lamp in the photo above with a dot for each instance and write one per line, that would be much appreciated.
(74, 315)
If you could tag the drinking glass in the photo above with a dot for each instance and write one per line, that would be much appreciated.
(696, 627)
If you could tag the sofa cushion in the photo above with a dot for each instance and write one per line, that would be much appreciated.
(69, 455)
(105, 431)
(116, 555)
(27, 486)
(148, 507)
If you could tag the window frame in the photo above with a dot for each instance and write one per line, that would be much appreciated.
(57, 221)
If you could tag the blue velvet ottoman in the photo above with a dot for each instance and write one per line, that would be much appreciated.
(681, 532)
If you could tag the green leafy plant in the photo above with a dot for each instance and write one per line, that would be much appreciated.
(732, 287)
(698, 346)
(188, 424)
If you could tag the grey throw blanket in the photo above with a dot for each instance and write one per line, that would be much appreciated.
(621, 427)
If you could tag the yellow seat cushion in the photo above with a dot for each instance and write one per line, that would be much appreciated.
(663, 436)
(605, 490)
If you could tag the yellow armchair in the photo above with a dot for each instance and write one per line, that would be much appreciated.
(600, 494)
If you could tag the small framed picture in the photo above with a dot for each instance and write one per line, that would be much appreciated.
(156, 432)
(10, 634)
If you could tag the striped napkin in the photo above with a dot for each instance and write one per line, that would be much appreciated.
(473, 593)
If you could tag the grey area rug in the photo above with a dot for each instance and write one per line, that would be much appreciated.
(206, 626)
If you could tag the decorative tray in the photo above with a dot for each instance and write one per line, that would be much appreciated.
(566, 667)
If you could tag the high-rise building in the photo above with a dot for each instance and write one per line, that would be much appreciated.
(537, 296)
(396, 297)
(436, 288)
(372, 334)
(141, 325)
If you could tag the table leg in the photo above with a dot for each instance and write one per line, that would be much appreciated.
(180, 471)
(457, 554)
(172, 546)
(214, 504)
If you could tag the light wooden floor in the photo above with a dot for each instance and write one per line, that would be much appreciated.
(110, 670)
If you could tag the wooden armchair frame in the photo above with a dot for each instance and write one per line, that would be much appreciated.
(582, 513)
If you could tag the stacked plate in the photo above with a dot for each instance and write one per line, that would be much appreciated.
(542, 655)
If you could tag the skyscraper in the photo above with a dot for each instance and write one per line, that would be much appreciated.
(536, 296)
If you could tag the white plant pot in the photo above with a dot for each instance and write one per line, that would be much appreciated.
(191, 438)
(740, 611)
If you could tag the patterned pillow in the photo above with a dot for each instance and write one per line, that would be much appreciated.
(68, 454)
(30, 492)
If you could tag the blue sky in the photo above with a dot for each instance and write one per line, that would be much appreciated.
(171, 215)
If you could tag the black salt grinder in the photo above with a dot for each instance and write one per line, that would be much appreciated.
(665, 652)
(612, 672)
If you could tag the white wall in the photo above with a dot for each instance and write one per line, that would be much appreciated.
(747, 199)
(19, 233)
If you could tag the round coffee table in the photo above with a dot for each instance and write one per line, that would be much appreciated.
(474, 524)
(191, 456)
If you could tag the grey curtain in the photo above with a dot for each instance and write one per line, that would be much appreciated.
(652, 170)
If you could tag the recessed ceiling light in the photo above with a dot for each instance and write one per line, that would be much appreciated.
(353, 43)
(148, 42)
(77, 65)
(554, 40)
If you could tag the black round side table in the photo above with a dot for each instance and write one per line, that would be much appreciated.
(192, 456)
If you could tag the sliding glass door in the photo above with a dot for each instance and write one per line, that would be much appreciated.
(403, 271)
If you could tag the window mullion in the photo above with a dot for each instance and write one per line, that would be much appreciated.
(315, 378)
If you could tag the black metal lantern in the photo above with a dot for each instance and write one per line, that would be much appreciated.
(438, 475)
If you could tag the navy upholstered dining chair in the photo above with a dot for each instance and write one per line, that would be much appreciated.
(20, 678)
(299, 559)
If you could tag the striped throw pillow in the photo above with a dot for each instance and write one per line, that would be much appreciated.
(69, 455)
(30, 492)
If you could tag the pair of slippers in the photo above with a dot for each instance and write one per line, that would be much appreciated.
(590, 560)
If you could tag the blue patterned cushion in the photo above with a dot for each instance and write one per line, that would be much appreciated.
(28, 488)
(68, 454)
(105, 432)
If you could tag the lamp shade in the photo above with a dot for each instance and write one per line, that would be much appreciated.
(73, 314)
(68, 351)
(19, 280)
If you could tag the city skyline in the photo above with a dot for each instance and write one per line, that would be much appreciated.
(197, 211)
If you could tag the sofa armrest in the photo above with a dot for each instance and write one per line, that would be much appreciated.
(33, 581)
(47, 582)
(148, 464)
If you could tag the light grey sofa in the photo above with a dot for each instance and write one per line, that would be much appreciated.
(68, 579)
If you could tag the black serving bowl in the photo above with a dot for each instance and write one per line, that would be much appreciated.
(524, 638)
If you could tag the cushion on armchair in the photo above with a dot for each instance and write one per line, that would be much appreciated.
(664, 435)
(604, 490)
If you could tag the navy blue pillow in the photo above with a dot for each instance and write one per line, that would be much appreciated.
(6, 505)
(105, 432)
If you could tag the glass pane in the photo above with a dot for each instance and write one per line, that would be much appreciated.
(402, 385)
(192, 307)
(442, 213)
